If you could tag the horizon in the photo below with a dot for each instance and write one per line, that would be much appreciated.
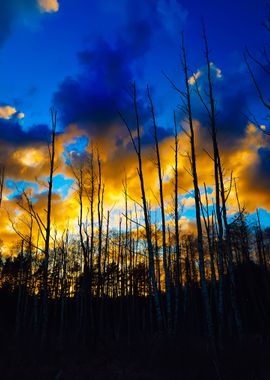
(88, 82)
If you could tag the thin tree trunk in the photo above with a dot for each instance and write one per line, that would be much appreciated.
(163, 223)
(48, 229)
(205, 294)
(137, 149)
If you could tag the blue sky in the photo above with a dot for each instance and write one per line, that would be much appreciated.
(41, 50)
(82, 57)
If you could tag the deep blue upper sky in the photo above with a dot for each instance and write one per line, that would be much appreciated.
(39, 50)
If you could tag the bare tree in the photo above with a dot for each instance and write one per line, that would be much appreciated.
(178, 280)
(51, 149)
(187, 109)
(2, 180)
(137, 149)
(162, 208)
(220, 198)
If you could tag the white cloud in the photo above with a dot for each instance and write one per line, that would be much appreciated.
(20, 115)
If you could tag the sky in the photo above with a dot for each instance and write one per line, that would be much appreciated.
(82, 56)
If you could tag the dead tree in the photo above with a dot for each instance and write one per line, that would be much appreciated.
(2, 180)
(90, 191)
(51, 149)
(78, 172)
(137, 149)
(100, 195)
(25, 202)
(178, 280)
(188, 107)
(187, 110)
(208, 223)
(163, 222)
(220, 199)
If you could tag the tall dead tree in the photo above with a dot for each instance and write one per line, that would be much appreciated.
(220, 199)
(90, 190)
(208, 223)
(2, 180)
(137, 149)
(188, 110)
(100, 196)
(44, 227)
(260, 242)
(51, 149)
(163, 221)
(78, 172)
(178, 280)
(186, 107)
(210, 108)
(78, 169)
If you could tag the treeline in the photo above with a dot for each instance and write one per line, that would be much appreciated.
(144, 275)
(115, 294)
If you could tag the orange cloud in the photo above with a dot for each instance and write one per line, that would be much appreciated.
(49, 6)
(6, 112)
(119, 162)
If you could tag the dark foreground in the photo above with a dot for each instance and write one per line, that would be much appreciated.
(118, 338)
(144, 359)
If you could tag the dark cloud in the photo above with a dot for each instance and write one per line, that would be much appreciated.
(94, 98)
(12, 10)
(264, 154)
(148, 135)
(261, 73)
(231, 102)
(137, 37)
(12, 132)
(236, 102)
(6, 19)
(232, 118)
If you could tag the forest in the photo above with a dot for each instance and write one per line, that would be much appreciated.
(134, 294)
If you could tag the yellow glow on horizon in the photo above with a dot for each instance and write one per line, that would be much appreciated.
(242, 158)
